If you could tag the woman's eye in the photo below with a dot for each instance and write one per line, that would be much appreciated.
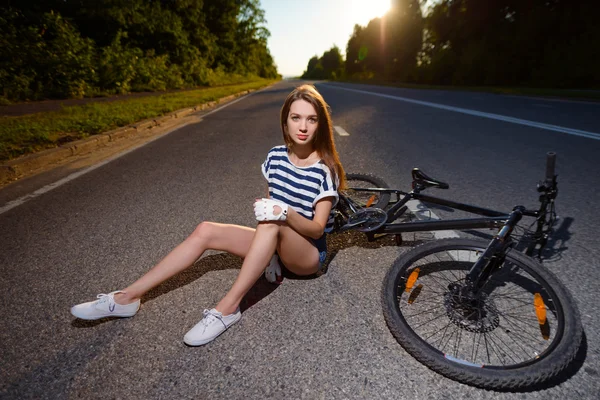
(294, 118)
(313, 120)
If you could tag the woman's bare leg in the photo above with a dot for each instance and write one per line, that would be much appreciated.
(294, 249)
(233, 239)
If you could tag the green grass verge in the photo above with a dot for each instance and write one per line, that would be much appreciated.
(31, 133)
(579, 94)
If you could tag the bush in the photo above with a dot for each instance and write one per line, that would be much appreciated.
(117, 66)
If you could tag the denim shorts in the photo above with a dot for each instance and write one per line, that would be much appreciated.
(321, 245)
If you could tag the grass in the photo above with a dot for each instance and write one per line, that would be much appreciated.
(31, 133)
(580, 94)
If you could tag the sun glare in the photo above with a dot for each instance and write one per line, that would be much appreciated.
(363, 11)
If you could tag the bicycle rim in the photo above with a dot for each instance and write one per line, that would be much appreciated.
(366, 198)
(522, 317)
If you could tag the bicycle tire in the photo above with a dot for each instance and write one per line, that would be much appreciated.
(366, 181)
(560, 352)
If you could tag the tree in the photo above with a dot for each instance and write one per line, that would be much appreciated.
(62, 48)
(387, 47)
(329, 66)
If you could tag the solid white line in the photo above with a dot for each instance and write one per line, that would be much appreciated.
(341, 131)
(556, 128)
(15, 203)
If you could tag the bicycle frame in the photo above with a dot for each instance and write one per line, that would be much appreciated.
(493, 219)
(505, 222)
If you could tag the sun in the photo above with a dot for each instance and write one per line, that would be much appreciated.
(365, 10)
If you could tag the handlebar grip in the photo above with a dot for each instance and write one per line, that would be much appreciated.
(550, 163)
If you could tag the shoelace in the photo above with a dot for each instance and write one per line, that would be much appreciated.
(110, 297)
(207, 318)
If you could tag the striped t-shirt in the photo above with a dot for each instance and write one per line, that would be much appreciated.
(299, 187)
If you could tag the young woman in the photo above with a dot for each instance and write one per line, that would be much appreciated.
(303, 178)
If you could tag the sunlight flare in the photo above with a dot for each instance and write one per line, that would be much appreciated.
(365, 10)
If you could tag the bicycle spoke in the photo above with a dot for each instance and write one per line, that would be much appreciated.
(518, 335)
(498, 328)
(457, 345)
(505, 346)
(445, 328)
(428, 321)
(420, 312)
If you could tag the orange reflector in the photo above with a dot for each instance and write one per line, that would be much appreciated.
(412, 279)
(415, 293)
(371, 201)
(540, 308)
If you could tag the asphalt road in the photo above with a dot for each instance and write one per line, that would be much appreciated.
(317, 338)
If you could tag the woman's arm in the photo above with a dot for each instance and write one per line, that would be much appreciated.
(306, 227)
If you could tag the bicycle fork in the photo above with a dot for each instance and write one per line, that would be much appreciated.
(490, 261)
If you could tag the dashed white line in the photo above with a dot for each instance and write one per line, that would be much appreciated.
(341, 131)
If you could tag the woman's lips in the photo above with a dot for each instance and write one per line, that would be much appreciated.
(302, 137)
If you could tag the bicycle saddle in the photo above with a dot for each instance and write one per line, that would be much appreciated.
(420, 179)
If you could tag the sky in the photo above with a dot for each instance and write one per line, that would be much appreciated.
(301, 29)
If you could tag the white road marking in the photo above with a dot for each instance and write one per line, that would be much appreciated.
(15, 203)
(420, 211)
(423, 213)
(341, 131)
(556, 128)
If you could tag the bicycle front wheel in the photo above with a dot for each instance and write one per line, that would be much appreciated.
(366, 198)
(522, 329)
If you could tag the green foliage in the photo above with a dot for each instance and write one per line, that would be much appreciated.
(527, 43)
(387, 47)
(49, 58)
(506, 42)
(329, 66)
(64, 49)
(117, 66)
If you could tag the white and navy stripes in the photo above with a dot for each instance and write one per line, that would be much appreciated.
(298, 187)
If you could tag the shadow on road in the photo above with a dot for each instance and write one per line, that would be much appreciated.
(262, 288)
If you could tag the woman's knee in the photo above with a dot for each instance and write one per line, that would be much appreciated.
(203, 231)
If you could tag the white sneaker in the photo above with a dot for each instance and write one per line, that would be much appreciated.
(273, 271)
(212, 325)
(105, 306)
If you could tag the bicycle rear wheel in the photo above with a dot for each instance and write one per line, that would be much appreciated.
(523, 328)
(366, 198)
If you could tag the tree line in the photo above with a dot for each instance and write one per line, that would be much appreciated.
(534, 43)
(75, 48)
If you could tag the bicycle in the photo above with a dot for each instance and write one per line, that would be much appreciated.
(478, 312)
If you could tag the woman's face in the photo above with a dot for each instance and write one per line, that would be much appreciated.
(302, 122)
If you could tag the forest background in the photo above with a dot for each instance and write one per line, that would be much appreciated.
(82, 48)
(519, 43)
(76, 48)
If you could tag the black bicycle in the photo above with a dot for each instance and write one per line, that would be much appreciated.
(482, 313)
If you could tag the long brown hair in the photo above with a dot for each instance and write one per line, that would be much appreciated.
(323, 141)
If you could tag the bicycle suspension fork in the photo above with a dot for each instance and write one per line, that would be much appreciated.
(493, 256)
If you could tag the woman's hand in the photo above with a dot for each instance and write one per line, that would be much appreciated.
(270, 210)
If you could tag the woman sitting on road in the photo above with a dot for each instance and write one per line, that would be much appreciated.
(303, 178)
